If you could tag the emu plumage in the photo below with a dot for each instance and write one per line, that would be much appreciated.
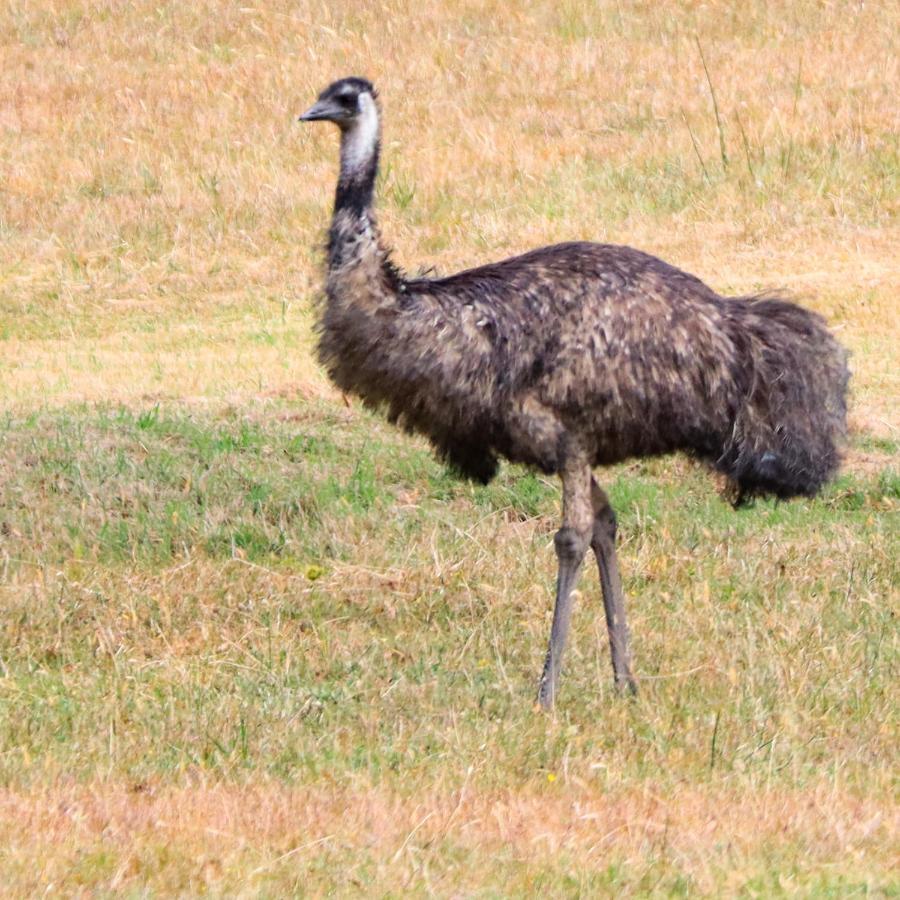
(570, 357)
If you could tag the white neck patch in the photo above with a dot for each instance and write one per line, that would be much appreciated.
(359, 140)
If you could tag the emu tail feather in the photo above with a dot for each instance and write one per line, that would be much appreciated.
(790, 415)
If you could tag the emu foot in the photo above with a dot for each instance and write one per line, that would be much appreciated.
(626, 686)
(547, 686)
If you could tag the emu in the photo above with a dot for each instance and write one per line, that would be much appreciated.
(569, 357)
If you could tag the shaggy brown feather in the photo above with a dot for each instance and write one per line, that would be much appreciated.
(596, 343)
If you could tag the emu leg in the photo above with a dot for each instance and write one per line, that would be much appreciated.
(571, 542)
(603, 543)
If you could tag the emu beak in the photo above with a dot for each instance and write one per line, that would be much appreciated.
(319, 111)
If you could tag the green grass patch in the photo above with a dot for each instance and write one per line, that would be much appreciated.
(318, 598)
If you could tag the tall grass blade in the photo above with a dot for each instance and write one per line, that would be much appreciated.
(712, 91)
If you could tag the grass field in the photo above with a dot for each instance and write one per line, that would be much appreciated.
(255, 642)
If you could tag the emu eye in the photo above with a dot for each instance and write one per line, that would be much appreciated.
(348, 101)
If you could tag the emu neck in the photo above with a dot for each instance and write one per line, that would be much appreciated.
(353, 232)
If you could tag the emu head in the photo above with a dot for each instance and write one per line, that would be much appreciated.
(343, 102)
(351, 104)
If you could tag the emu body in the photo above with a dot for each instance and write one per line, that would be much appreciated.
(569, 357)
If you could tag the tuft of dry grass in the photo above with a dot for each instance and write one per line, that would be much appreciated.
(255, 642)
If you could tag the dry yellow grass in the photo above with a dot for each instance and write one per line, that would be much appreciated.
(160, 221)
(154, 174)
(247, 839)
